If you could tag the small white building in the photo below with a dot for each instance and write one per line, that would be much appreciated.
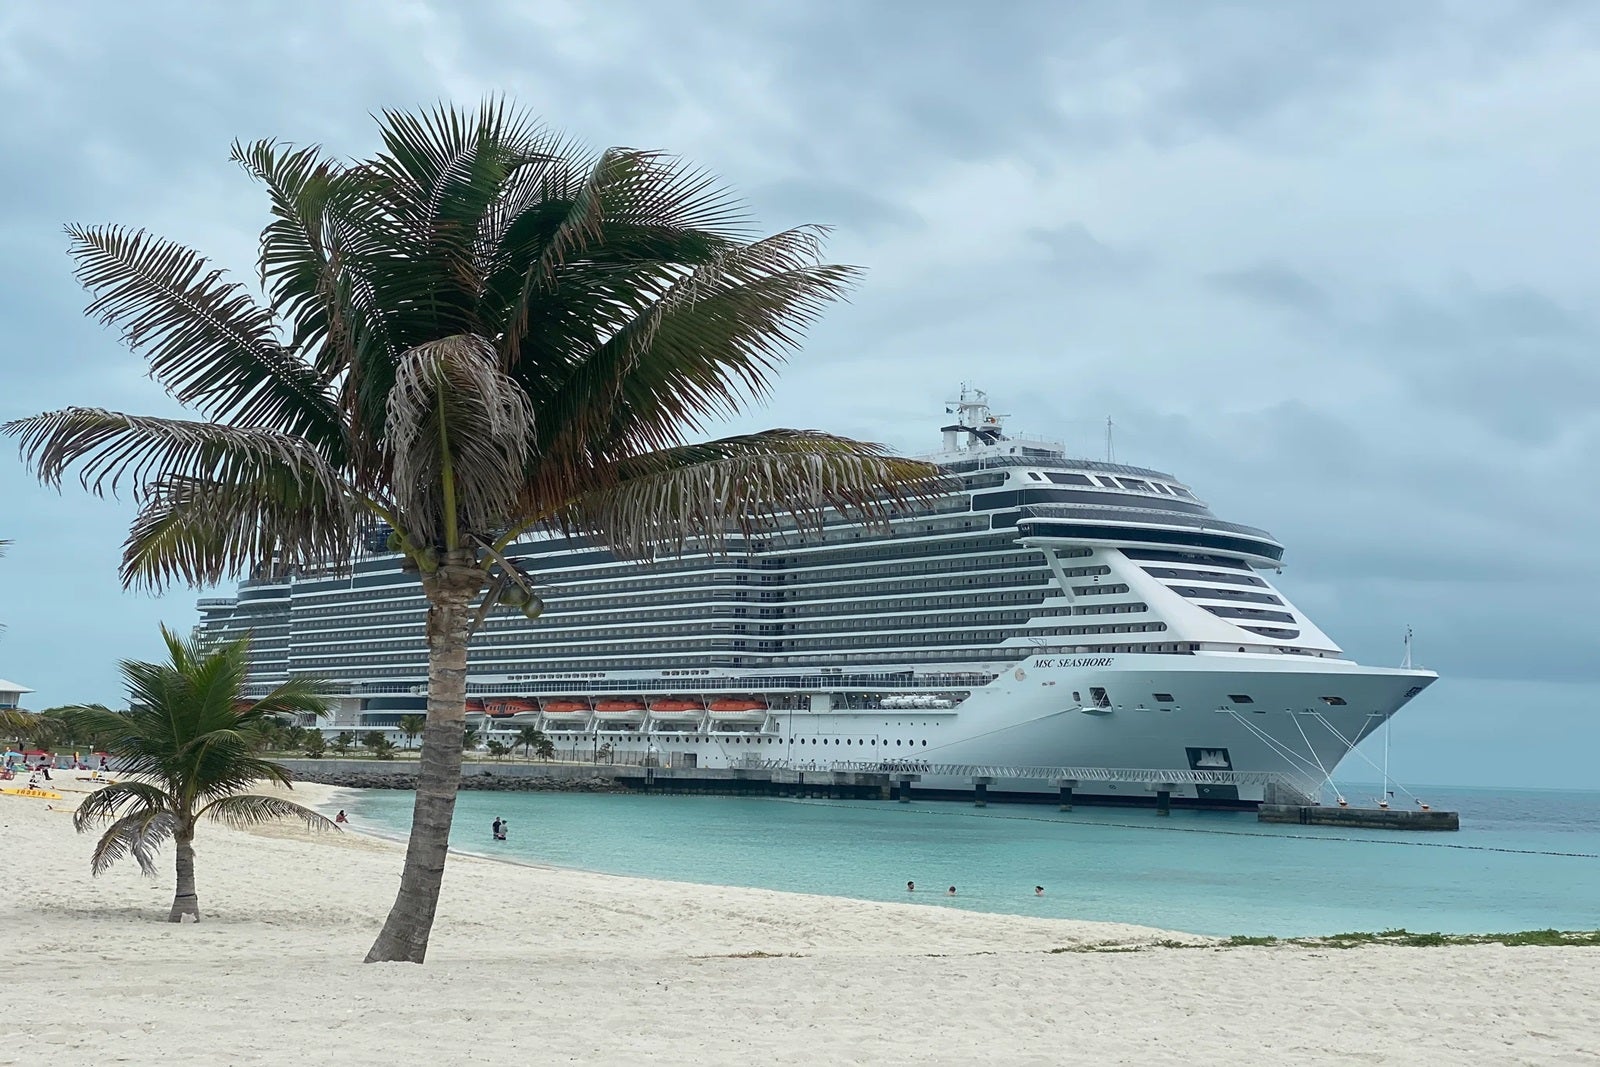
(11, 694)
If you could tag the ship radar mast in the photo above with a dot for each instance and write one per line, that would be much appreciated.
(975, 424)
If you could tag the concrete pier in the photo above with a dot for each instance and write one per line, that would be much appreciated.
(1066, 785)
(902, 786)
(1164, 798)
(980, 791)
(1359, 818)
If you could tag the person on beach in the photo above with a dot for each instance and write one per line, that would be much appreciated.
(341, 817)
(911, 887)
(950, 892)
(1038, 890)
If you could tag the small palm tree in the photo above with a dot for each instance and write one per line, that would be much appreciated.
(478, 333)
(379, 745)
(529, 737)
(315, 744)
(412, 726)
(496, 749)
(343, 742)
(469, 740)
(186, 750)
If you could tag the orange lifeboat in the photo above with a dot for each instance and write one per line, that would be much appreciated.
(559, 706)
(619, 705)
(500, 707)
(677, 705)
(737, 705)
(474, 705)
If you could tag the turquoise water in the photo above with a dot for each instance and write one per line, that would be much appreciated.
(1206, 872)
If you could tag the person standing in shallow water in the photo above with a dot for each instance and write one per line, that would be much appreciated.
(1038, 890)
(495, 828)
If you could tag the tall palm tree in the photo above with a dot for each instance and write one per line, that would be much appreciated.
(479, 332)
(186, 751)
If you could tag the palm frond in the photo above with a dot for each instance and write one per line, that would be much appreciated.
(460, 433)
(94, 722)
(297, 696)
(207, 341)
(712, 339)
(14, 722)
(244, 810)
(112, 449)
(296, 260)
(139, 835)
(202, 531)
(120, 798)
(749, 484)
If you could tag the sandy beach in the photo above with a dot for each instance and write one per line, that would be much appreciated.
(557, 966)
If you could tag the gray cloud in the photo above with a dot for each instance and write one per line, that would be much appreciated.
(1272, 284)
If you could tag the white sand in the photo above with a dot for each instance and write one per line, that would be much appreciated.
(551, 966)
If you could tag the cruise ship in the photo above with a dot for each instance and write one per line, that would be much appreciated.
(1053, 620)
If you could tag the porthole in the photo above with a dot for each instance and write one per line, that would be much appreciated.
(897, 742)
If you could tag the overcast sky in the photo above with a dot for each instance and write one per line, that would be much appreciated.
(1335, 265)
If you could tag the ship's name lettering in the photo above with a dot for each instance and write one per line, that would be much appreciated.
(1077, 661)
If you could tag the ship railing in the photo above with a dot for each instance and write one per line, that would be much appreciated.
(896, 680)
(962, 466)
(1149, 516)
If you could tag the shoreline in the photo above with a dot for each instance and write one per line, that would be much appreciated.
(572, 966)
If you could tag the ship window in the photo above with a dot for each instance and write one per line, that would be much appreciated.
(1069, 479)
(1162, 698)
(1241, 698)
(1335, 701)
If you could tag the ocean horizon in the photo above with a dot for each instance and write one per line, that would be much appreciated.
(1525, 858)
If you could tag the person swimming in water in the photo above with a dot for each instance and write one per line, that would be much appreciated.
(911, 887)
(950, 892)
(1038, 890)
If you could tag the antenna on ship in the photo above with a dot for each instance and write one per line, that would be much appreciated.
(1111, 452)
(1405, 662)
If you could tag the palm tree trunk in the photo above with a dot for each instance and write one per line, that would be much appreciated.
(450, 590)
(184, 901)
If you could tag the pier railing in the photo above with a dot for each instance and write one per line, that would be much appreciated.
(1146, 775)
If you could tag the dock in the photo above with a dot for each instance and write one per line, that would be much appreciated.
(1359, 818)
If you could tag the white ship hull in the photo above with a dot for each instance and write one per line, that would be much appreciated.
(1041, 717)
